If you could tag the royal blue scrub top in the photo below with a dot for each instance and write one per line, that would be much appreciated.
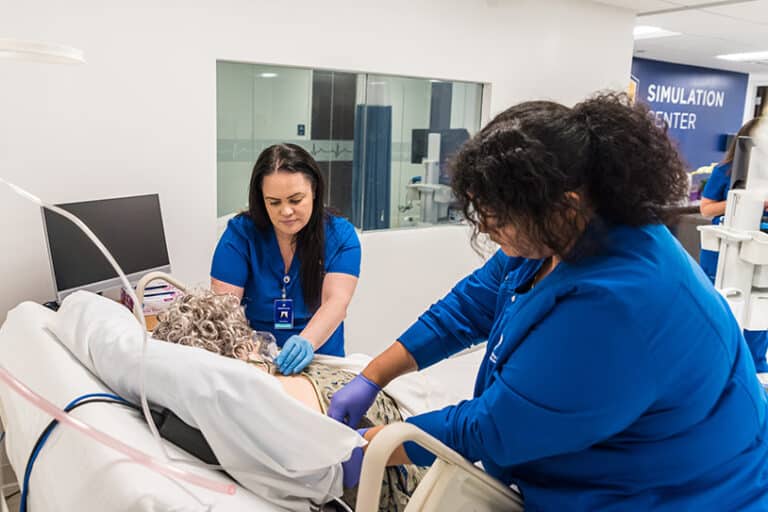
(716, 189)
(250, 258)
(619, 382)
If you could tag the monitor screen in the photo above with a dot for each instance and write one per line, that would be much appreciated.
(740, 164)
(130, 227)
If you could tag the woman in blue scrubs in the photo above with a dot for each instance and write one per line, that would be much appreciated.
(294, 265)
(713, 205)
(615, 376)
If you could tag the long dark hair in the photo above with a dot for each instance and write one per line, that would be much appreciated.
(528, 167)
(744, 131)
(310, 241)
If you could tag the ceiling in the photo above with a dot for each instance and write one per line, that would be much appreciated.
(707, 28)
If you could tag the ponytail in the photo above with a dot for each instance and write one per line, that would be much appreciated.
(635, 174)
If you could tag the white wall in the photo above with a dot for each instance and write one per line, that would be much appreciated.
(397, 283)
(140, 116)
(254, 112)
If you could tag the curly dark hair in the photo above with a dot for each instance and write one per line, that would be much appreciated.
(548, 170)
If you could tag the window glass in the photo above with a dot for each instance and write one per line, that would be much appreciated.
(381, 141)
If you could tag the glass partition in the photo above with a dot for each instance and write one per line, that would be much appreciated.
(381, 141)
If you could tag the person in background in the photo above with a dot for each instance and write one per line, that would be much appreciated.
(615, 376)
(294, 265)
(713, 199)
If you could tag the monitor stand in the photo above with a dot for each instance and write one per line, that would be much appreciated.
(53, 305)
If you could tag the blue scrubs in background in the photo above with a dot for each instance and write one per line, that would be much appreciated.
(250, 258)
(619, 382)
(716, 189)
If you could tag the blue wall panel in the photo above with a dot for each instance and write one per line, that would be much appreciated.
(700, 105)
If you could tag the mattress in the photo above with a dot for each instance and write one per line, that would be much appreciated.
(73, 472)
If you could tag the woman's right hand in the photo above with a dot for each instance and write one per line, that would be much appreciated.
(351, 402)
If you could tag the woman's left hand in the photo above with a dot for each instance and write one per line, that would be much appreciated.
(297, 353)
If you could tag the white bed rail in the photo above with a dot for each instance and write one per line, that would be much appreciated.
(138, 309)
(452, 483)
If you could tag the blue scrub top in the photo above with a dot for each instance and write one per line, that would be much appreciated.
(716, 189)
(718, 185)
(619, 382)
(250, 258)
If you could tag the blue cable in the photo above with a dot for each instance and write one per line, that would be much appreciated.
(44, 438)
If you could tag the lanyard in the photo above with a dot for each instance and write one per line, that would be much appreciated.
(283, 308)
(286, 279)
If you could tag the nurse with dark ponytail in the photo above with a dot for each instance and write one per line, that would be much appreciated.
(615, 376)
(293, 264)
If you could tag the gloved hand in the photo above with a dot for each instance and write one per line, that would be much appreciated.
(352, 401)
(353, 465)
(297, 353)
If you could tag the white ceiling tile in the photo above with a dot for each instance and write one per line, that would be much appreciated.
(749, 12)
(640, 5)
(706, 32)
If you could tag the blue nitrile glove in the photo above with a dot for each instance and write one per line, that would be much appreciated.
(352, 401)
(297, 353)
(353, 465)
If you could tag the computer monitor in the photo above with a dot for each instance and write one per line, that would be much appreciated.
(450, 143)
(130, 227)
(740, 165)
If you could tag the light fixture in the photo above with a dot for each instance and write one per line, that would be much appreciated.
(648, 32)
(435, 81)
(744, 57)
(267, 75)
(14, 49)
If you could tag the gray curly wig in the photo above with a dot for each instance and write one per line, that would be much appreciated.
(215, 323)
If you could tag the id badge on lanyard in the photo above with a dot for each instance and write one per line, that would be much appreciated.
(283, 309)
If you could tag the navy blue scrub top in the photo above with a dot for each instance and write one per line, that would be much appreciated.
(251, 259)
(621, 381)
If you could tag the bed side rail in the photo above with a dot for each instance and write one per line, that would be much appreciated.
(138, 309)
(450, 475)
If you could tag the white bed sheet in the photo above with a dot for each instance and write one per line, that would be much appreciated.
(73, 472)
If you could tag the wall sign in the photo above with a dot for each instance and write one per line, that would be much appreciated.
(700, 106)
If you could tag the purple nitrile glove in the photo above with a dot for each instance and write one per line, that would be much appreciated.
(352, 401)
(353, 465)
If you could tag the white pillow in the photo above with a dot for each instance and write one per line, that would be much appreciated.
(294, 453)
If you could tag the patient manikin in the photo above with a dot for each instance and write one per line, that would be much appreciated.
(217, 323)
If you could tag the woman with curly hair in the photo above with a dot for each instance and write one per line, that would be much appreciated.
(615, 376)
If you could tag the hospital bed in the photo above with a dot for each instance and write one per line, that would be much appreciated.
(74, 473)
(452, 483)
